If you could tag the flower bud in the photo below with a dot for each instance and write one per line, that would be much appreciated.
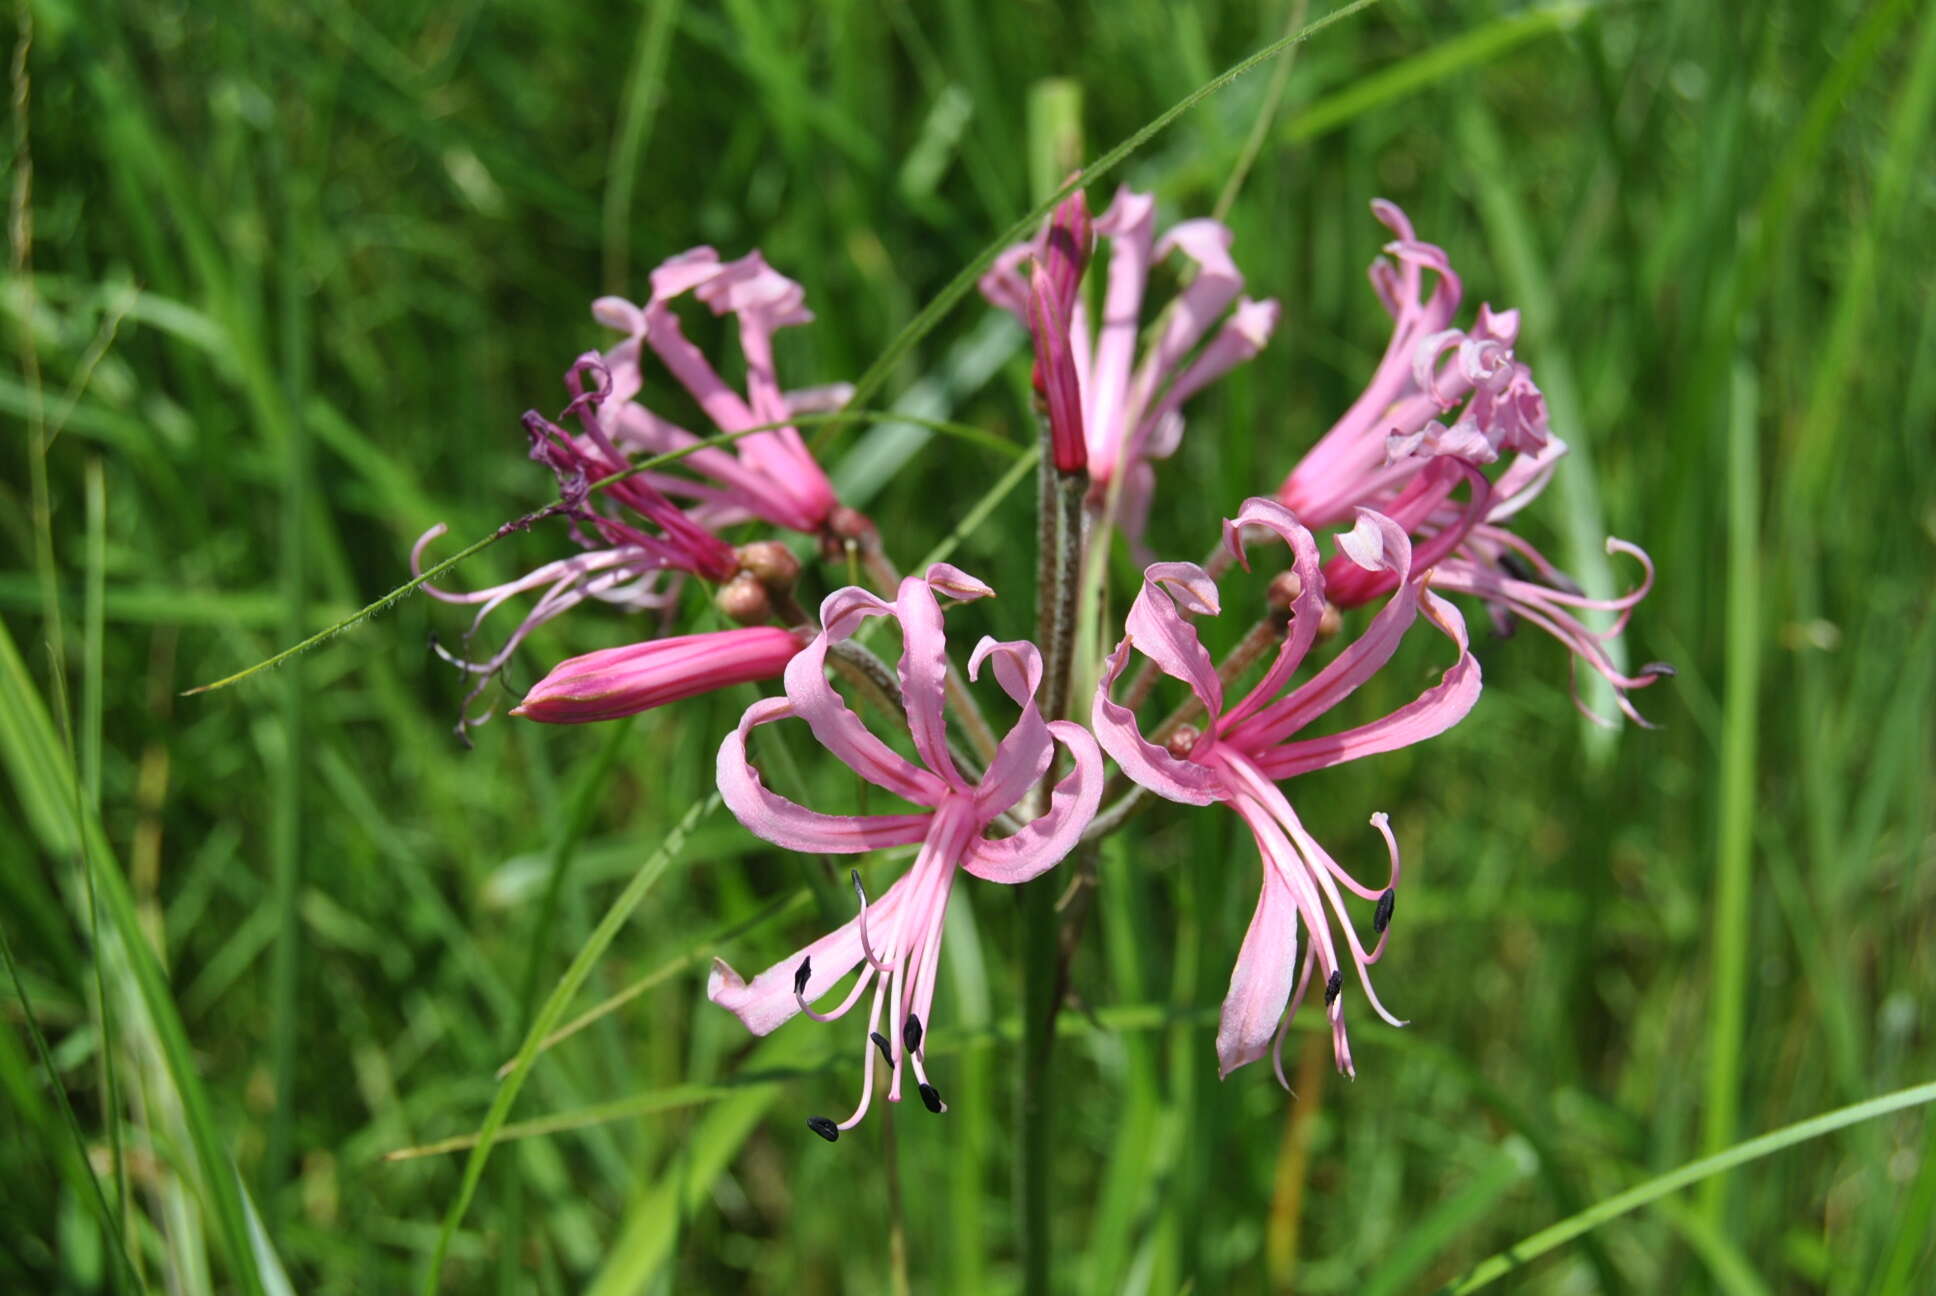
(769, 562)
(614, 682)
(744, 599)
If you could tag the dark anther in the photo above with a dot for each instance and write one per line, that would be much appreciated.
(1381, 917)
(932, 1097)
(880, 1042)
(824, 1127)
(800, 975)
(859, 890)
(911, 1032)
(1518, 568)
(1663, 669)
(1333, 987)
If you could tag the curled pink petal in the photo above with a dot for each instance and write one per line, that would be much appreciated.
(786, 823)
(1146, 764)
(1260, 980)
(842, 732)
(1043, 842)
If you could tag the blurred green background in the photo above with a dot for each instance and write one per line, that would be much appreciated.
(297, 270)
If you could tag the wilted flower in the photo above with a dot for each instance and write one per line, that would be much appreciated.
(1242, 753)
(623, 681)
(1440, 398)
(895, 941)
(1131, 416)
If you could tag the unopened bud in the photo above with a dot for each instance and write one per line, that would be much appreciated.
(1182, 741)
(844, 526)
(769, 562)
(1282, 595)
(1330, 622)
(623, 681)
(744, 599)
(1066, 254)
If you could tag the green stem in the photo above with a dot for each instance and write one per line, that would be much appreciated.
(1040, 974)
(1738, 748)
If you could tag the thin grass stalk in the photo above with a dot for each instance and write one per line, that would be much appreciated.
(1739, 748)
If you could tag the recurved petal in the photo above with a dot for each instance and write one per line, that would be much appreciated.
(1023, 756)
(1044, 841)
(1260, 983)
(1158, 629)
(768, 1000)
(786, 823)
(842, 732)
(684, 272)
(1429, 714)
(948, 579)
(1142, 760)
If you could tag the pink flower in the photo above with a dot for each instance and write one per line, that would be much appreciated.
(623, 563)
(1442, 398)
(769, 475)
(895, 941)
(1131, 416)
(623, 681)
(1245, 750)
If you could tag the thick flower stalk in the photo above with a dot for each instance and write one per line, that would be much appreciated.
(895, 940)
(1241, 754)
(626, 680)
(1131, 409)
(1444, 397)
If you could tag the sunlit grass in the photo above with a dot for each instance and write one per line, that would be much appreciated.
(296, 273)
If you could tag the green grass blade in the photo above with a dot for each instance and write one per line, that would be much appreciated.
(638, 108)
(1739, 748)
(30, 747)
(932, 314)
(548, 1017)
(1525, 1252)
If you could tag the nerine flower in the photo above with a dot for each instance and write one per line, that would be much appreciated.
(895, 940)
(768, 474)
(623, 562)
(1243, 752)
(1441, 397)
(1131, 411)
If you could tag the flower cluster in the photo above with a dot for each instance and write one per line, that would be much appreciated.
(1415, 490)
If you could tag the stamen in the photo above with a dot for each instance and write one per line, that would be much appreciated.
(800, 975)
(932, 1097)
(1518, 568)
(1333, 987)
(824, 1127)
(911, 1032)
(1382, 916)
(880, 1042)
(866, 947)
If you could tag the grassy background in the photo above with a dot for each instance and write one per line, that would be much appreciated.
(298, 270)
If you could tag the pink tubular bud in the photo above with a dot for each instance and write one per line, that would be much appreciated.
(1055, 372)
(1066, 253)
(623, 681)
